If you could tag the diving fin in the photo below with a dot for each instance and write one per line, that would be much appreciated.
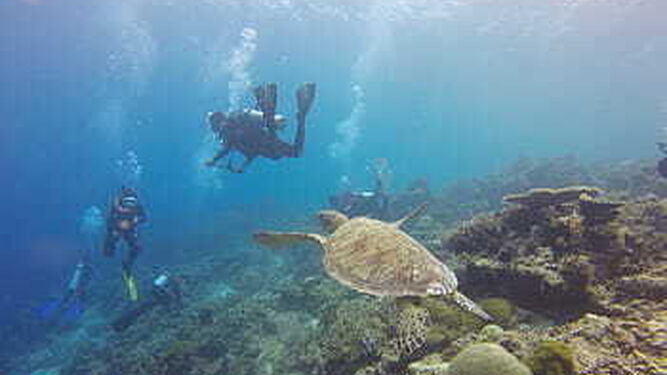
(305, 95)
(47, 309)
(130, 286)
(74, 311)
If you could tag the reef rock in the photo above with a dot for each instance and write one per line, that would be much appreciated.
(543, 197)
(565, 259)
(430, 365)
(486, 359)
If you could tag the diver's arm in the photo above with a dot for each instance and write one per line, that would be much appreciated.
(221, 154)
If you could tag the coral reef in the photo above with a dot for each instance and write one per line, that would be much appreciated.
(486, 359)
(610, 262)
(545, 197)
(575, 278)
(604, 345)
(430, 365)
(552, 358)
(463, 199)
(555, 260)
(411, 327)
(448, 322)
(501, 309)
(357, 335)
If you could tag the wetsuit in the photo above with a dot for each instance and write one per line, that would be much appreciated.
(373, 204)
(124, 217)
(243, 133)
(253, 133)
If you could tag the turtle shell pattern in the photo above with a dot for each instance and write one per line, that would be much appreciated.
(377, 258)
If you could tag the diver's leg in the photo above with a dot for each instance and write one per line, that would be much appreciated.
(110, 241)
(258, 91)
(383, 206)
(132, 240)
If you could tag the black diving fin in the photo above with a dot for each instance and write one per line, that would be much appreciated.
(305, 95)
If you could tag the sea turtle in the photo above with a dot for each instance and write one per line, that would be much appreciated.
(377, 258)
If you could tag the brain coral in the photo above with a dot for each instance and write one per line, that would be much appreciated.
(486, 359)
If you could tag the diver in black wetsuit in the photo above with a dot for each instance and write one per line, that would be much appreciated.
(253, 132)
(166, 291)
(662, 164)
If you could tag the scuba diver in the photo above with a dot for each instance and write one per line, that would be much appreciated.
(253, 132)
(72, 303)
(662, 164)
(124, 217)
(373, 204)
(166, 291)
(78, 284)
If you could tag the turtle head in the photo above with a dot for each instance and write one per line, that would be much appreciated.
(331, 220)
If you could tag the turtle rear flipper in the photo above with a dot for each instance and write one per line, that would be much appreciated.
(467, 304)
(284, 239)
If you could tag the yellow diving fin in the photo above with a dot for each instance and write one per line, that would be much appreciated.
(131, 286)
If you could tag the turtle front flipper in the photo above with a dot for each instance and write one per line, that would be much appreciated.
(285, 239)
(468, 305)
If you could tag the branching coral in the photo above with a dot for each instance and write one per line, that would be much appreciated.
(357, 333)
(411, 328)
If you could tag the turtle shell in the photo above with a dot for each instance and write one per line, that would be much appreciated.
(378, 258)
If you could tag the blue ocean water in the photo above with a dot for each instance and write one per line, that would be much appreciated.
(96, 94)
